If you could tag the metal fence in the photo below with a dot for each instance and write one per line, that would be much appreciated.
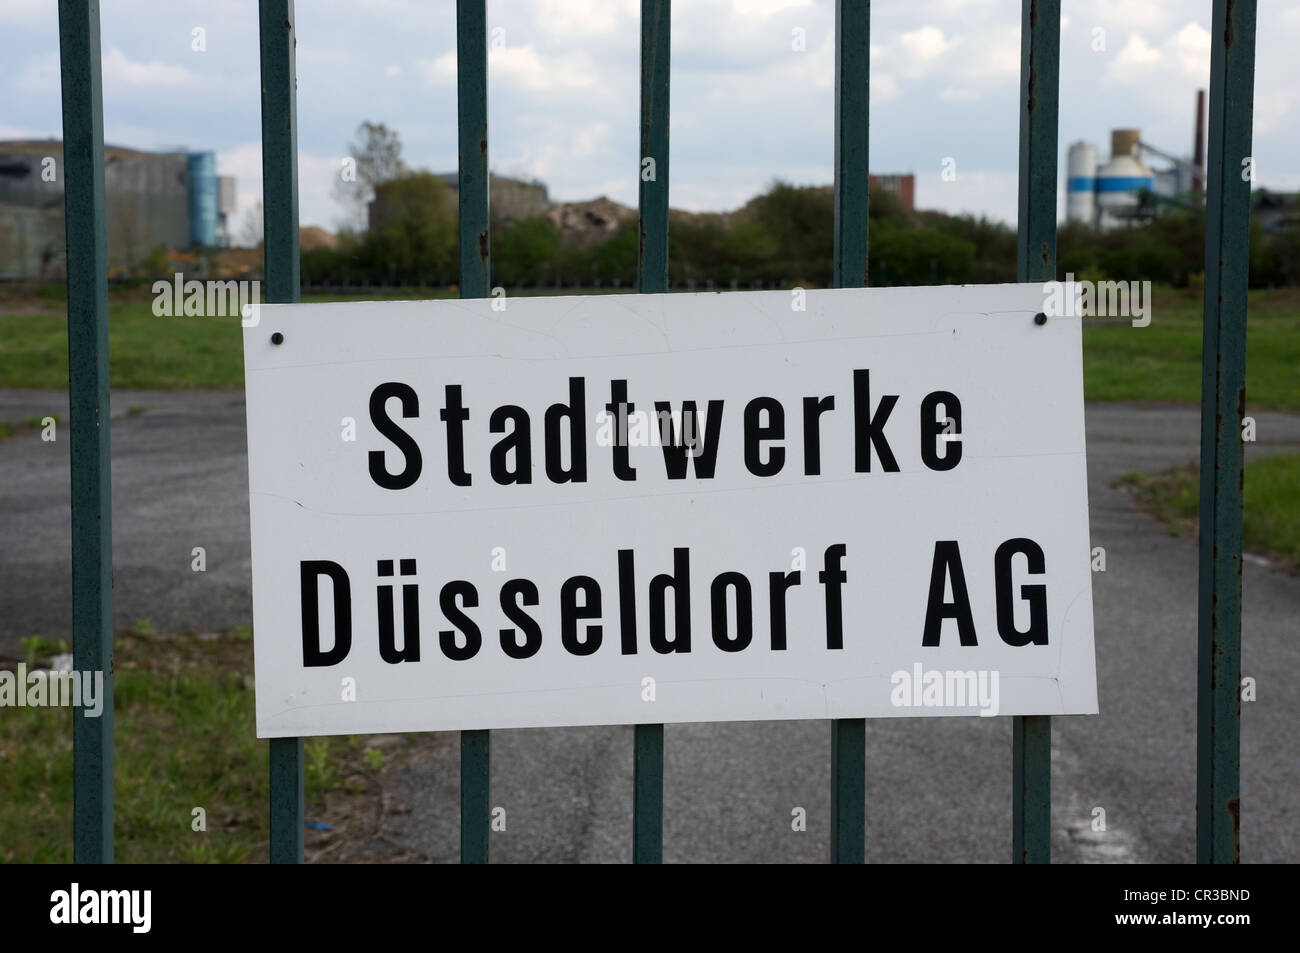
(1222, 389)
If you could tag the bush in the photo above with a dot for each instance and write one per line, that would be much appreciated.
(920, 256)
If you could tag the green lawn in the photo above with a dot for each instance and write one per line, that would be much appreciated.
(184, 738)
(1161, 362)
(1271, 503)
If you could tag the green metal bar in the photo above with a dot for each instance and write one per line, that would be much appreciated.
(280, 236)
(471, 97)
(475, 795)
(652, 248)
(1223, 404)
(1040, 70)
(286, 801)
(1031, 789)
(652, 278)
(849, 791)
(475, 282)
(88, 424)
(648, 795)
(852, 111)
(849, 270)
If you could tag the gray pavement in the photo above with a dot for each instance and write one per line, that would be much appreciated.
(938, 789)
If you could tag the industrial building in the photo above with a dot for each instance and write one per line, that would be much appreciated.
(172, 199)
(510, 199)
(904, 186)
(1126, 190)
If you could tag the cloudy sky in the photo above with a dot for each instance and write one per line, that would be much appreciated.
(747, 107)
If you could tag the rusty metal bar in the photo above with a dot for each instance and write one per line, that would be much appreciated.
(1223, 404)
(1040, 69)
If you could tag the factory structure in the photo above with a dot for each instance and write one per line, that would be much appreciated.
(1139, 180)
(171, 199)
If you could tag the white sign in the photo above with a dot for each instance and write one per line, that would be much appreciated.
(667, 508)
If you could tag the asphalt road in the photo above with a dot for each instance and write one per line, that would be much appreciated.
(938, 789)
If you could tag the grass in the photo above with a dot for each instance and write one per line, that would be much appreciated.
(145, 351)
(10, 429)
(1271, 504)
(184, 739)
(1161, 362)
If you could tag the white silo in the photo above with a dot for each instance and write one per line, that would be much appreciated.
(1122, 179)
(1080, 182)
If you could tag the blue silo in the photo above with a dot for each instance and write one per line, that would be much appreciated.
(203, 198)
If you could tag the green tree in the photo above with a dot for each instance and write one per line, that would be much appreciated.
(417, 240)
(920, 256)
(519, 255)
(374, 157)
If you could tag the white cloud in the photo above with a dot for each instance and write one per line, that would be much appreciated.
(1191, 50)
(1136, 53)
(440, 70)
(16, 13)
(573, 19)
(990, 193)
(765, 8)
(927, 43)
(316, 177)
(883, 88)
(40, 74)
(118, 69)
(563, 92)
(523, 67)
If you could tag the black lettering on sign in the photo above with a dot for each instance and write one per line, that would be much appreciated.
(778, 583)
(947, 566)
(519, 440)
(455, 414)
(833, 577)
(404, 442)
(447, 637)
(680, 583)
(868, 430)
(510, 605)
(813, 408)
(571, 611)
(935, 433)
(575, 412)
(1035, 595)
(310, 572)
(627, 601)
(756, 431)
(619, 408)
(388, 650)
(744, 612)
(701, 447)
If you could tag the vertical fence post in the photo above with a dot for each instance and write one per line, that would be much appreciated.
(280, 243)
(88, 423)
(1040, 68)
(1223, 404)
(652, 278)
(852, 230)
(475, 282)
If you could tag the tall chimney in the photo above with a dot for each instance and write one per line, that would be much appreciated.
(1198, 148)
